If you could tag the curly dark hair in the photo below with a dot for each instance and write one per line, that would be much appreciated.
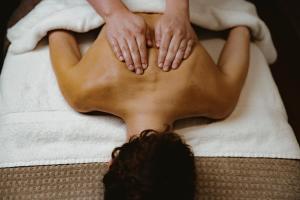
(151, 166)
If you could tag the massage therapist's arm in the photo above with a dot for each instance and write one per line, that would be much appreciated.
(127, 33)
(174, 34)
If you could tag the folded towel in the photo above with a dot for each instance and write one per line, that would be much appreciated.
(79, 16)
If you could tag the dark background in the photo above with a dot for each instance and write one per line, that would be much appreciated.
(283, 19)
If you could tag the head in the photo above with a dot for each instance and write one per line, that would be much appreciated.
(151, 166)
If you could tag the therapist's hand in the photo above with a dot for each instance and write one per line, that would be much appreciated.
(175, 37)
(128, 35)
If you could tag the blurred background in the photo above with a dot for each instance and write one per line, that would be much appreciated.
(281, 16)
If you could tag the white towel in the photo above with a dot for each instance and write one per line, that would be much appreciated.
(37, 127)
(79, 16)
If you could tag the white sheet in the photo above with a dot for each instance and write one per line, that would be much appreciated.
(37, 127)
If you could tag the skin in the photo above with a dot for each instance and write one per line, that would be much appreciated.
(174, 35)
(97, 81)
(129, 35)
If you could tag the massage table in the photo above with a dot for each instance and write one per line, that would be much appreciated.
(232, 175)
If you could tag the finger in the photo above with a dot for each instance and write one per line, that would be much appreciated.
(148, 36)
(116, 48)
(179, 55)
(163, 48)
(126, 54)
(174, 45)
(189, 48)
(141, 42)
(157, 36)
(135, 54)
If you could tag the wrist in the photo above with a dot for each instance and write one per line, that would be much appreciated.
(108, 8)
(115, 11)
(177, 7)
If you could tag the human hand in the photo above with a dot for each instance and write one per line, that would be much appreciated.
(129, 35)
(175, 37)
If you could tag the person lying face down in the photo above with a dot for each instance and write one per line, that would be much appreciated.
(154, 163)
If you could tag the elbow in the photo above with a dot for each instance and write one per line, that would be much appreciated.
(224, 108)
(78, 101)
(77, 105)
(223, 112)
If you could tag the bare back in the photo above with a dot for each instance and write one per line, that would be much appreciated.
(100, 82)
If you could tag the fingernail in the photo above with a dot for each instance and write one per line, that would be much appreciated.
(138, 66)
(157, 44)
(121, 58)
(174, 66)
(165, 69)
(145, 66)
(160, 65)
(130, 67)
(149, 43)
(139, 71)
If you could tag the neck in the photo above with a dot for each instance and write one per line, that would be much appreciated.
(138, 123)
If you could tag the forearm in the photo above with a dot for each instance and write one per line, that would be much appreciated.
(107, 7)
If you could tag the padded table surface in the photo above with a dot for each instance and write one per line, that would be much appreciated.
(218, 178)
